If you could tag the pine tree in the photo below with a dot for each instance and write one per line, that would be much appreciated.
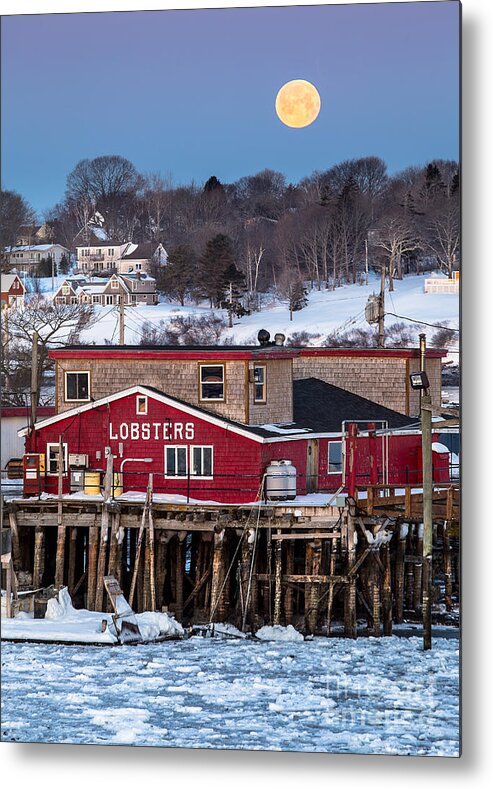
(176, 279)
(216, 259)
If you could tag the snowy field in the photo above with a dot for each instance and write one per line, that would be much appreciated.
(327, 311)
(329, 695)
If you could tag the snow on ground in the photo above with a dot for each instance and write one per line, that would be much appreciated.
(329, 695)
(63, 622)
(326, 311)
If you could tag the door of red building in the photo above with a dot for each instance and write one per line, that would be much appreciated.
(312, 466)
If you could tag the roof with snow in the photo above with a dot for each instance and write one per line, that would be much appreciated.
(7, 281)
(33, 248)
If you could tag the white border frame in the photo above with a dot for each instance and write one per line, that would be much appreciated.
(77, 372)
(175, 447)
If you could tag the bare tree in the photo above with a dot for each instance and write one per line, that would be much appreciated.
(442, 233)
(396, 236)
(15, 212)
(55, 324)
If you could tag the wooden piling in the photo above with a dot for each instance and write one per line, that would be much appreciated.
(72, 554)
(278, 580)
(386, 592)
(39, 556)
(350, 623)
(14, 531)
(330, 592)
(61, 531)
(161, 562)
(92, 566)
(314, 587)
(418, 570)
(217, 611)
(288, 594)
(409, 567)
(180, 570)
(399, 574)
(103, 544)
(447, 566)
(375, 594)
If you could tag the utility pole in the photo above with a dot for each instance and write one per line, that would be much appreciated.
(6, 351)
(230, 311)
(52, 272)
(426, 412)
(34, 378)
(366, 260)
(122, 319)
(381, 310)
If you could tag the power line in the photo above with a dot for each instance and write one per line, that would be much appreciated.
(423, 323)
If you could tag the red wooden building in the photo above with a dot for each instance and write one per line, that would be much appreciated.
(336, 438)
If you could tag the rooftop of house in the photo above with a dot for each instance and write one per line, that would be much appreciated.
(33, 247)
(141, 251)
(8, 279)
(270, 349)
(322, 407)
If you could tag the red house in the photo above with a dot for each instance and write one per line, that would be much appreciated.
(336, 439)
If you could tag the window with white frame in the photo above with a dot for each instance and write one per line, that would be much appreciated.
(260, 383)
(115, 284)
(201, 461)
(77, 386)
(175, 462)
(211, 382)
(138, 267)
(334, 465)
(65, 290)
(52, 452)
(141, 405)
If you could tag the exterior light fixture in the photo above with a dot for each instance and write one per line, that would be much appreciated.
(419, 380)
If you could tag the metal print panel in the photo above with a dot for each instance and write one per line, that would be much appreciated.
(230, 269)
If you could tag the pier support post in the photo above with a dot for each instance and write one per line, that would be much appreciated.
(350, 624)
(180, 570)
(399, 571)
(386, 592)
(288, 594)
(278, 580)
(92, 567)
(72, 552)
(217, 612)
(39, 556)
(418, 570)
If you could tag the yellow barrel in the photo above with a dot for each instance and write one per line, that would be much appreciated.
(92, 483)
(117, 484)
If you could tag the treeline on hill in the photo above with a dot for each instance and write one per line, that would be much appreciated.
(261, 233)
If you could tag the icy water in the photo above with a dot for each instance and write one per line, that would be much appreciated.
(332, 695)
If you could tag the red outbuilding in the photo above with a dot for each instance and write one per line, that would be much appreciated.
(336, 439)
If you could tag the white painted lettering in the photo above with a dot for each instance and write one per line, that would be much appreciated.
(178, 431)
(189, 431)
(146, 431)
(166, 431)
(156, 426)
(115, 436)
(123, 431)
(134, 431)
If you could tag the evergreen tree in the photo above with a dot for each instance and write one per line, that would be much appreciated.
(64, 265)
(213, 184)
(216, 259)
(176, 279)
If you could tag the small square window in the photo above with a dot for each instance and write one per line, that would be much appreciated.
(115, 284)
(77, 386)
(212, 382)
(141, 404)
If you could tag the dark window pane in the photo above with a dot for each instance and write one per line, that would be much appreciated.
(207, 461)
(182, 461)
(83, 386)
(170, 462)
(196, 461)
(71, 386)
(212, 382)
(335, 456)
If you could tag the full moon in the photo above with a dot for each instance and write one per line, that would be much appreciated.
(298, 103)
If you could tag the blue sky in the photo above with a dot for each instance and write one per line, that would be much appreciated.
(191, 93)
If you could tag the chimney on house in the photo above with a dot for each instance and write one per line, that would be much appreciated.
(137, 275)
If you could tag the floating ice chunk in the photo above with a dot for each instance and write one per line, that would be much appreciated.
(278, 633)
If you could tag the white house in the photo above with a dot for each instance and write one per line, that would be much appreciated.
(28, 257)
(100, 256)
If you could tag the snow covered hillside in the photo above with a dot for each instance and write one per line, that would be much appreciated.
(327, 311)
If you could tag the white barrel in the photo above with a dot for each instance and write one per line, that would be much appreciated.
(280, 480)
